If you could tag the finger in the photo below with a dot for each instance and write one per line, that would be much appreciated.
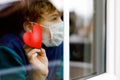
(32, 58)
(29, 54)
(34, 55)
(43, 52)
(27, 48)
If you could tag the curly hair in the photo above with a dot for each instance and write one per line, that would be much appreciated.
(36, 8)
(30, 10)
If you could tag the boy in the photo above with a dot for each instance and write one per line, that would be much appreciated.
(36, 12)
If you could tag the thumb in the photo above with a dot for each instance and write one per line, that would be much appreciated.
(43, 52)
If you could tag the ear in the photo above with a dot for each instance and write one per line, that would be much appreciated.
(27, 26)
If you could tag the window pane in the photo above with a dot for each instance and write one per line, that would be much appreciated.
(87, 38)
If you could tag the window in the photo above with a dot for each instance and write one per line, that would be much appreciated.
(87, 38)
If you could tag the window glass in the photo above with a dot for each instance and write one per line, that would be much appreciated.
(87, 38)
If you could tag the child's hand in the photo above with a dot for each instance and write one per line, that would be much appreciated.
(38, 59)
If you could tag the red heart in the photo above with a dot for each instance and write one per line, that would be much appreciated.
(34, 38)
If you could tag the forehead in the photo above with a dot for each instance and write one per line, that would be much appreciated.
(50, 15)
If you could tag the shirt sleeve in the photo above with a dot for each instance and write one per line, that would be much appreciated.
(11, 65)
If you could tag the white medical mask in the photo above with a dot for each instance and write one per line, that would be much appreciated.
(56, 35)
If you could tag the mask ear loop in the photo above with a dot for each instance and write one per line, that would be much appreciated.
(51, 35)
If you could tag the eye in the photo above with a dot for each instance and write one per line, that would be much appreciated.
(54, 18)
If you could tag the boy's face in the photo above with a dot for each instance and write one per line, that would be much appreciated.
(49, 20)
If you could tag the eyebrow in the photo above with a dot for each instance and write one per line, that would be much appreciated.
(56, 14)
(52, 15)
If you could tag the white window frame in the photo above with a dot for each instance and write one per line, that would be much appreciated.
(113, 42)
(117, 39)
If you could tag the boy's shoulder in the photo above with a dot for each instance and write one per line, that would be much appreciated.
(14, 43)
(10, 40)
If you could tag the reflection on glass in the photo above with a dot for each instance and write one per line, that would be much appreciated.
(82, 39)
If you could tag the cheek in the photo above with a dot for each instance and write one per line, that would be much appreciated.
(46, 34)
